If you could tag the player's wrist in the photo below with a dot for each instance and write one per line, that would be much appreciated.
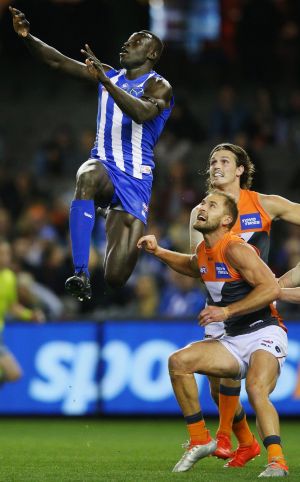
(105, 81)
(226, 311)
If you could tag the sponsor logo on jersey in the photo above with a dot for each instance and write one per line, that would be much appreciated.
(250, 221)
(221, 270)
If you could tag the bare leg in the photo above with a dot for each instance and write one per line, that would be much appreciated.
(209, 357)
(260, 382)
(93, 182)
(123, 232)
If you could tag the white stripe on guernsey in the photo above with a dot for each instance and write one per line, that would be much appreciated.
(101, 150)
(136, 141)
(215, 289)
(246, 236)
(116, 131)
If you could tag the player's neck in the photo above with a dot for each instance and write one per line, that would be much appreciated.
(134, 73)
(211, 239)
(233, 189)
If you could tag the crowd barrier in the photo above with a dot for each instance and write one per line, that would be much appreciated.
(116, 368)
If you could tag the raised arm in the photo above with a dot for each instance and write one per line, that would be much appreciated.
(182, 263)
(157, 94)
(280, 208)
(47, 54)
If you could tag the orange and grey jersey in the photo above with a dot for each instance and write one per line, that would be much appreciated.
(225, 286)
(253, 223)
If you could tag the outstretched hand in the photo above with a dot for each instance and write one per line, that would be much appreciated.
(20, 24)
(148, 243)
(94, 65)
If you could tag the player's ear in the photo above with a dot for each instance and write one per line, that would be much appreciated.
(152, 55)
(240, 170)
(227, 220)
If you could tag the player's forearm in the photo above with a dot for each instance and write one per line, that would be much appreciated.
(259, 297)
(291, 279)
(56, 59)
(43, 52)
(177, 261)
(139, 110)
(291, 295)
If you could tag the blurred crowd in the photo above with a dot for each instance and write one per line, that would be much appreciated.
(35, 202)
(249, 95)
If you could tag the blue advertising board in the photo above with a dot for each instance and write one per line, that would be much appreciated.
(116, 367)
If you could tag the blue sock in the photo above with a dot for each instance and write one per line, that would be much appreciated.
(82, 219)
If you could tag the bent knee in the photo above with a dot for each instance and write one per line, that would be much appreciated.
(176, 363)
(256, 391)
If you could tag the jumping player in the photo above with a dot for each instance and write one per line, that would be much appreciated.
(134, 104)
(231, 170)
(241, 289)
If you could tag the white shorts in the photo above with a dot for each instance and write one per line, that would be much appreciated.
(271, 338)
(214, 330)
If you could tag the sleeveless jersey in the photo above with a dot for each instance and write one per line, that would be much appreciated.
(119, 139)
(225, 286)
(253, 223)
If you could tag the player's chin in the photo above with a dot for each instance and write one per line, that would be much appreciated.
(124, 63)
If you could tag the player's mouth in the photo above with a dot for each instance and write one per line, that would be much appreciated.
(123, 52)
(200, 217)
(218, 174)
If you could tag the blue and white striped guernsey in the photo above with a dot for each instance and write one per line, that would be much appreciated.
(119, 139)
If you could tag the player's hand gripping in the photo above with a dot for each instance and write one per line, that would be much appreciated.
(211, 314)
(149, 243)
(94, 65)
(21, 25)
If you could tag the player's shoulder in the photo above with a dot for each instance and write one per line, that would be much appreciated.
(236, 247)
(158, 81)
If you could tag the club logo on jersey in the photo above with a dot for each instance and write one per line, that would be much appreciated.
(250, 221)
(203, 269)
(221, 271)
(136, 91)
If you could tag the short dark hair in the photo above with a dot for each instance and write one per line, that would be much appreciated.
(158, 43)
(230, 206)
(241, 158)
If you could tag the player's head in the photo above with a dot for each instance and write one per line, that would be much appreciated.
(217, 210)
(5, 254)
(141, 47)
(229, 163)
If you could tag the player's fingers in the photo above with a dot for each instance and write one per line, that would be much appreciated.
(84, 52)
(89, 50)
(14, 11)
